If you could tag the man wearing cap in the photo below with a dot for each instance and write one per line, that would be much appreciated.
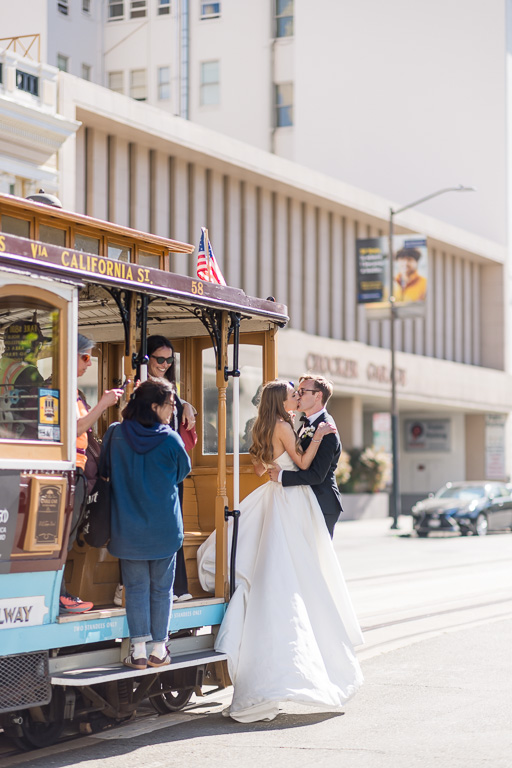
(20, 378)
(85, 420)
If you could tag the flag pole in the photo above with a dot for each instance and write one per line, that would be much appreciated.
(207, 254)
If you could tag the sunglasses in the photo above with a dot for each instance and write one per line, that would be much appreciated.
(85, 357)
(301, 391)
(162, 360)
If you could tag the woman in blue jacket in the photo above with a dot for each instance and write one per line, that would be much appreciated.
(148, 461)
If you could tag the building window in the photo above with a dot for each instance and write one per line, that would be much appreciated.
(137, 9)
(164, 7)
(115, 82)
(138, 84)
(210, 10)
(86, 71)
(284, 18)
(63, 7)
(164, 83)
(26, 82)
(115, 10)
(210, 85)
(284, 105)
(62, 62)
(86, 6)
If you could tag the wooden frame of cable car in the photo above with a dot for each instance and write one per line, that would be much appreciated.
(39, 222)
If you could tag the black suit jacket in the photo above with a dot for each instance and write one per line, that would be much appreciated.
(320, 475)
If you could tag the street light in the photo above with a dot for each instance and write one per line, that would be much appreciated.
(395, 497)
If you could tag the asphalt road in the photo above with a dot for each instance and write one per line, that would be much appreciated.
(437, 615)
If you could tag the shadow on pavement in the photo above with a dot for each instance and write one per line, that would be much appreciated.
(206, 725)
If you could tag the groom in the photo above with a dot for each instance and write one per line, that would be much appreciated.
(314, 392)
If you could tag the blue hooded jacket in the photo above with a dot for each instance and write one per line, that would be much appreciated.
(147, 463)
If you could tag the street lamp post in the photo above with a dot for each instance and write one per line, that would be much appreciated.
(395, 496)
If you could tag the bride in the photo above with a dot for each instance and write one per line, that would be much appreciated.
(290, 628)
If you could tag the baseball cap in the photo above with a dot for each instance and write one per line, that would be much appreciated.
(84, 344)
(21, 338)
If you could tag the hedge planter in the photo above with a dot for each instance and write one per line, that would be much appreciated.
(359, 505)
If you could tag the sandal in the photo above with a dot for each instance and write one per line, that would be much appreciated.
(135, 663)
(154, 661)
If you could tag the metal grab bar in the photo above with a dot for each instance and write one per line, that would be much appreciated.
(235, 514)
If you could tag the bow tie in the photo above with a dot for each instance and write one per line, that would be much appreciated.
(305, 420)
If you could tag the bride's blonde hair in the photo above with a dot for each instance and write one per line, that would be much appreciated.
(271, 409)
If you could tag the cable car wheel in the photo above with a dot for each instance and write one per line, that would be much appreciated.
(40, 726)
(169, 698)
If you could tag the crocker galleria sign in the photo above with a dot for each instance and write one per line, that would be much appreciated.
(345, 368)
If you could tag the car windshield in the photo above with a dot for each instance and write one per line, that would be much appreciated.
(465, 493)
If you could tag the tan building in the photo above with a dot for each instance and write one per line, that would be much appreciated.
(280, 229)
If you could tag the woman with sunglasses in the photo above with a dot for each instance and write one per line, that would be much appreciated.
(162, 365)
(289, 629)
(86, 419)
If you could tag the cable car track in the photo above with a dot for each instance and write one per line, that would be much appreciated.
(432, 614)
(419, 571)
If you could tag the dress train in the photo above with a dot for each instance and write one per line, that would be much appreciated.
(290, 628)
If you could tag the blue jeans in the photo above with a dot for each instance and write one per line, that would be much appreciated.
(148, 585)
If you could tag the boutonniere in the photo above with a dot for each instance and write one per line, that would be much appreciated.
(308, 432)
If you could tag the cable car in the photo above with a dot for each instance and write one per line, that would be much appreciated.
(62, 274)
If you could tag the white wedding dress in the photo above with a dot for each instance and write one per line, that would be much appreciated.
(290, 628)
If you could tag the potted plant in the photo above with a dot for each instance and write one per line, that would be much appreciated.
(362, 475)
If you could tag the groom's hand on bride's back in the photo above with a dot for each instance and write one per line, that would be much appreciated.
(273, 473)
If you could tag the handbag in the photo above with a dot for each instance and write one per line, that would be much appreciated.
(95, 527)
(189, 436)
(93, 453)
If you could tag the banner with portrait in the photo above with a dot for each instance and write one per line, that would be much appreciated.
(410, 274)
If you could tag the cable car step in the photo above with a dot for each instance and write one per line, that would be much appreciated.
(103, 674)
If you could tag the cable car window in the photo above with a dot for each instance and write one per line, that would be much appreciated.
(87, 244)
(119, 252)
(177, 371)
(209, 402)
(30, 402)
(52, 235)
(251, 383)
(149, 259)
(88, 383)
(13, 226)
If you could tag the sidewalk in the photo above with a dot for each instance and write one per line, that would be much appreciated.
(373, 527)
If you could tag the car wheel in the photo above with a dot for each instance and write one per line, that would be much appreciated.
(422, 534)
(481, 525)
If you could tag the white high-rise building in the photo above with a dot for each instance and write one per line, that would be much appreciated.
(397, 98)
(289, 130)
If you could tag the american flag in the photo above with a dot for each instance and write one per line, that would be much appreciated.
(208, 271)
